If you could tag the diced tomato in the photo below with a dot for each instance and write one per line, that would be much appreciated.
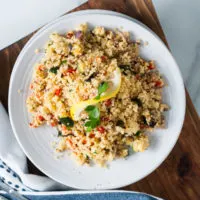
(58, 92)
(101, 129)
(92, 143)
(84, 142)
(71, 143)
(137, 76)
(71, 70)
(53, 124)
(41, 118)
(31, 86)
(92, 135)
(64, 128)
(158, 83)
(103, 58)
(108, 102)
(40, 67)
(151, 66)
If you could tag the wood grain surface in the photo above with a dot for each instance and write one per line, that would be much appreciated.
(178, 177)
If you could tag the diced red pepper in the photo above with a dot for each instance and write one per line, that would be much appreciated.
(92, 135)
(71, 70)
(151, 66)
(58, 92)
(103, 58)
(40, 67)
(101, 129)
(53, 124)
(137, 76)
(108, 102)
(158, 83)
(41, 118)
(84, 142)
(71, 143)
(64, 128)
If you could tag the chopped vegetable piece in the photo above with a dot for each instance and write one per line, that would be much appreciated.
(41, 118)
(71, 70)
(58, 92)
(151, 66)
(54, 70)
(120, 123)
(108, 102)
(136, 100)
(152, 123)
(138, 133)
(101, 129)
(67, 121)
(63, 62)
(126, 68)
(143, 118)
(78, 34)
(158, 83)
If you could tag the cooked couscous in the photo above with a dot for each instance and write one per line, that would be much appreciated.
(100, 95)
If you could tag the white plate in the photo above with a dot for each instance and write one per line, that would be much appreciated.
(36, 142)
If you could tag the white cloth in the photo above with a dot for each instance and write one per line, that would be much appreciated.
(14, 157)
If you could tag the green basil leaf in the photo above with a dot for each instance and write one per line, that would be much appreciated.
(89, 129)
(94, 114)
(89, 108)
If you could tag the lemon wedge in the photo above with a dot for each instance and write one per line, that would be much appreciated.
(112, 91)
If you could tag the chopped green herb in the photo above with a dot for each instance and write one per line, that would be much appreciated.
(120, 123)
(101, 89)
(63, 62)
(95, 152)
(126, 68)
(138, 133)
(59, 133)
(137, 101)
(67, 121)
(54, 70)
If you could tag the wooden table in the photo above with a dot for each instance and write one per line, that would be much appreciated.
(179, 175)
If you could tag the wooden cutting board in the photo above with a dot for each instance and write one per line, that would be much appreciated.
(179, 175)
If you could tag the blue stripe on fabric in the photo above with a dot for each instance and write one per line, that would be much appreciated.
(93, 196)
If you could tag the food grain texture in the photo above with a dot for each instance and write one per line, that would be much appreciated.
(78, 67)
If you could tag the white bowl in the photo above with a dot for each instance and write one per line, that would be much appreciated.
(36, 143)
